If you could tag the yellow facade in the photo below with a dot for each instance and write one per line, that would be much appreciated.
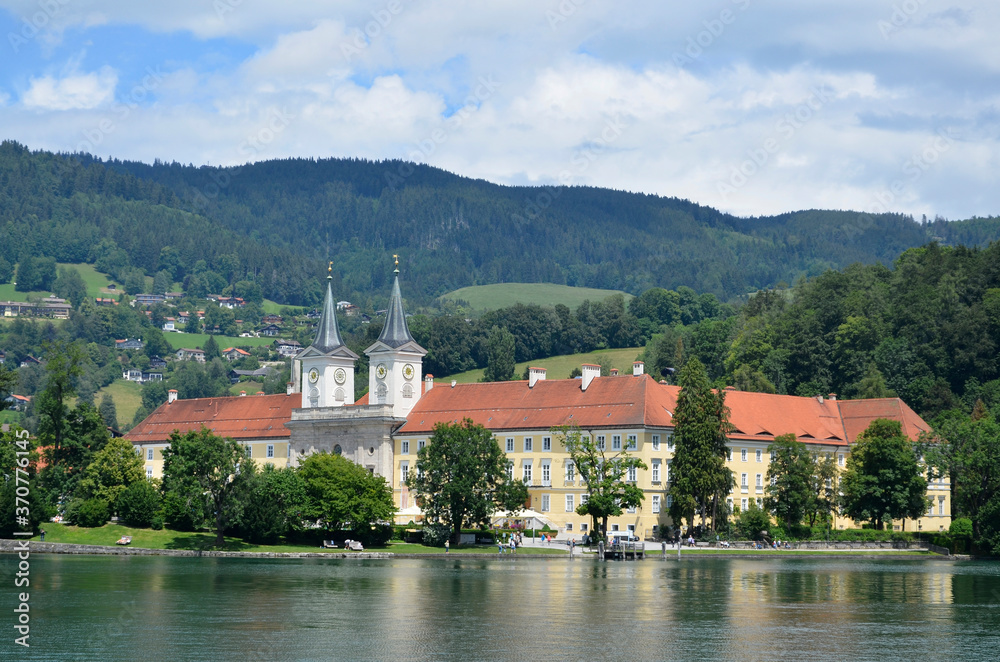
(264, 451)
(556, 494)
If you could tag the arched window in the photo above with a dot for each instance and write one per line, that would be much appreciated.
(338, 395)
(381, 392)
(407, 391)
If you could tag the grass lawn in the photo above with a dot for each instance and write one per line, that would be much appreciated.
(166, 539)
(492, 297)
(94, 280)
(127, 397)
(559, 367)
(198, 340)
(672, 551)
(250, 387)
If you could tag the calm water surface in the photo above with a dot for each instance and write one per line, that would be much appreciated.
(161, 608)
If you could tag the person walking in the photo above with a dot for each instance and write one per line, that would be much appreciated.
(447, 546)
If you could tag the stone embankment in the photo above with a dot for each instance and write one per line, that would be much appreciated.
(124, 550)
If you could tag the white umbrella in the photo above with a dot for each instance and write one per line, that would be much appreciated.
(411, 512)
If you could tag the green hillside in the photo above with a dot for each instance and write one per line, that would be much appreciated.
(198, 340)
(492, 297)
(560, 367)
(94, 280)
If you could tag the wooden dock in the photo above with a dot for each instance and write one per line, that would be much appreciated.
(625, 551)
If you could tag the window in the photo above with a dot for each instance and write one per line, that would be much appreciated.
(743, 505)
(569, 503)
(600, 442)
(670, 443)
(630, 509)
(404, 447)
(633, 442)
(510, 471)
(633, 473)
(546, 473)
(583, 527)
(584, 498)
(546, 443)
(420, 444)
(840, 459)
(759, 453)
(656, 503)
(407, 391)
(930, 507)
(527, 444)
(760, 482)
(149, 472)
(569, 526)
(270, 450)
(666, 476)
(249, 451)
(616, 442)
(526, 472)
(760, 502)
(729, 454)
(656, 442)
(743, 482)
(940, 505)
(149, 454)
(614, 527)
(545, 503)
(510, 444)
(729, 503)
(656, 471)
(743, 454)
(404, 472)
(670, 501)
(138, 451)
(570, 472)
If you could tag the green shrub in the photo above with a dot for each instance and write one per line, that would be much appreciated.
(436, 534)
(157, 522)
(90, 513)
(138, 504)
(961, 527)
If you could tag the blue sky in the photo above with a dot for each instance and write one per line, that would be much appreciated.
(752, 107)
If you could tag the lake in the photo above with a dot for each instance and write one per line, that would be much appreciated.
(165, 608)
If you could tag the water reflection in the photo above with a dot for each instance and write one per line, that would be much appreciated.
(510, 609)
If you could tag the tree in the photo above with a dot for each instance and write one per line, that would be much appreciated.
(461, 477)
(345, 495)
(823, 493)
(109, 414)
(70, 285)
(789, 480)
(113, 470)
(8, 382)
(14, 441)
(499, 356)
(274, 502)
(883, 480)
(967, 449)
(138, 504)
(211, 349)
(610, 480)
(212, 464)
(753, 521)
(701, 421)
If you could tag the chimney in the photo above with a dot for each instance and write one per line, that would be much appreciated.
(638, 368)
(289, 388)
(535, 375)
(171, 395)
(243, 394)
(614, 372)
(428, 382)
(832, 396)
(259, 393)
(589, 371)
(819, 399)
(453, 382)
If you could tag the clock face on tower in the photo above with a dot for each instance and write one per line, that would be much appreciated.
(340, 375)
(408, 371)
(380, 371)
(314, 375)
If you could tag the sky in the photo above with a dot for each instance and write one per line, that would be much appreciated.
(748, 106)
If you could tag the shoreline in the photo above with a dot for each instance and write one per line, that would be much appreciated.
(38, 547)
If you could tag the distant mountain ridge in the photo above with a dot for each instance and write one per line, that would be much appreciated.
(281, 220)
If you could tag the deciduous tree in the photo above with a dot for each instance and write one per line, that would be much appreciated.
(345, 495)
(607, 477)
(461, 477)
(789, 479)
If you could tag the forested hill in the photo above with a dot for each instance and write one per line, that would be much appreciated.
(277, 222)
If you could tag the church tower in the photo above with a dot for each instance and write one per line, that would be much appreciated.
(327, 365)
(395, 360)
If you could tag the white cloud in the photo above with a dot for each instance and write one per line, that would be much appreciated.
(71, 92)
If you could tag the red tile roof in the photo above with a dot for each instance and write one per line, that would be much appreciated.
(858, 414)
(252, 417)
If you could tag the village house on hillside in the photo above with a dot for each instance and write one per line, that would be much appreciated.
(385, 429)
(187, 354)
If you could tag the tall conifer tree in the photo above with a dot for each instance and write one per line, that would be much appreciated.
(699, 476)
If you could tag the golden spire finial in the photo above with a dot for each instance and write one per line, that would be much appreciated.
(396, 257)
(329, 271)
